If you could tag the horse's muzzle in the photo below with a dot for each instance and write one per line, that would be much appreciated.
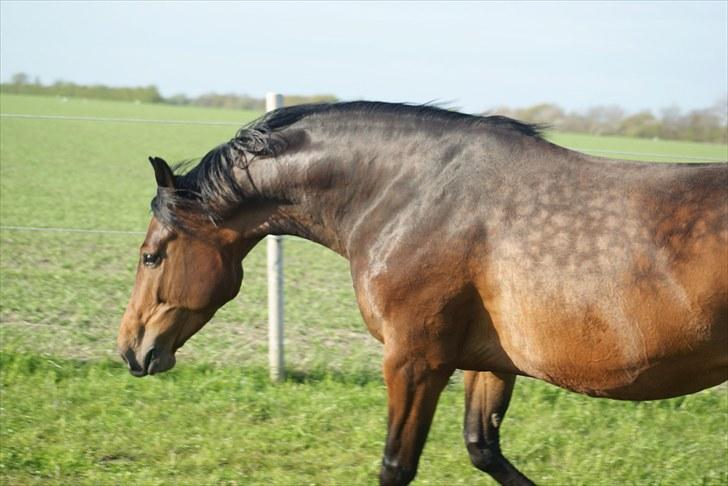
(157, 361)
(130, 359)
(153, 362)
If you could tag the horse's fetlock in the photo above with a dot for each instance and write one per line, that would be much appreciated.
(486, 457)
(392, 474)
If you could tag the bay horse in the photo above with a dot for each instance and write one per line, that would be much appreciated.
(473, 244)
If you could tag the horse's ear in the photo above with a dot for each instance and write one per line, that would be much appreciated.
(162, 172)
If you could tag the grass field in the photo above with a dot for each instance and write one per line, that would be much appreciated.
(70, 413)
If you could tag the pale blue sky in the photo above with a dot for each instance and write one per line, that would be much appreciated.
(644, 55)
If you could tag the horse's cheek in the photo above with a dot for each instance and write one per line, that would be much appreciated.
(214, 286)
(197, 285)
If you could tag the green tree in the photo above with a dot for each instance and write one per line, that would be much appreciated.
(20, 79)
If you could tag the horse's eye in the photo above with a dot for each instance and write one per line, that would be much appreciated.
(150, 259)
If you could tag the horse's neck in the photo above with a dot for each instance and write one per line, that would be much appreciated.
(323, 191)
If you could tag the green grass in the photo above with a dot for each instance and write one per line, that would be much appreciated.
(50, 105)
(642, 148)
(70, 413)
(69, 421)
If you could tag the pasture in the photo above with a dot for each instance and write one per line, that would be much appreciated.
(70, 411)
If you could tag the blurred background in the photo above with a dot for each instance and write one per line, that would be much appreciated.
(89, 90)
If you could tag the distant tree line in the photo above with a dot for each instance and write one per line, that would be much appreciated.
(22, 84)
(704, 125)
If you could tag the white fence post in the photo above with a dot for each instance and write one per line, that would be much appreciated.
(275, 283)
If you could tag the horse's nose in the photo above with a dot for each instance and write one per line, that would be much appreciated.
(129, 358)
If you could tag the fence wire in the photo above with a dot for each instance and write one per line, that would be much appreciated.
(150, 121)
(53, 229)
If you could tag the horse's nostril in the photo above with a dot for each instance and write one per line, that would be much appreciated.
(126, 360)
(131, 362)
(151, 354)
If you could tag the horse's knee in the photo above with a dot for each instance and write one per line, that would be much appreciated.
(486, 457)
(392, 474)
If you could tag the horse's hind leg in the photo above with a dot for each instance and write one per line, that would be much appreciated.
(486, 401)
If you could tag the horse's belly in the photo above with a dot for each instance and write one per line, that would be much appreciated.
(639, 350)
(669, 378)
(665, 377)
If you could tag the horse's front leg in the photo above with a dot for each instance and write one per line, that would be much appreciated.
(486, 400)
(413, 387)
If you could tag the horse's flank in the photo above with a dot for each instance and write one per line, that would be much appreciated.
(610, 278)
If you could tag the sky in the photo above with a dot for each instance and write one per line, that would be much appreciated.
(471, 55)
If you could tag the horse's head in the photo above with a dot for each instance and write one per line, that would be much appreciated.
(181, 280)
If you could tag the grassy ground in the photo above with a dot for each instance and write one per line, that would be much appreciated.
(70, 412)
(65, 421)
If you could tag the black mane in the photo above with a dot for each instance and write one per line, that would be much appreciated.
(210, 190)
(284, 117)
